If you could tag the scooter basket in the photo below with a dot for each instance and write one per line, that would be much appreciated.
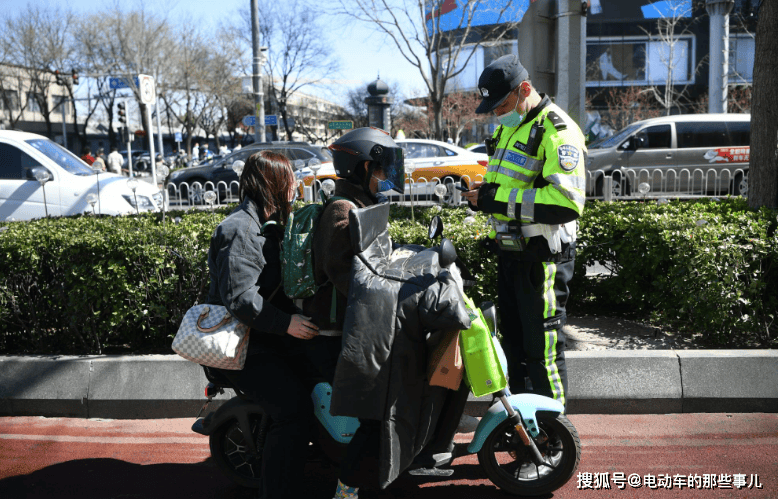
(483, 371)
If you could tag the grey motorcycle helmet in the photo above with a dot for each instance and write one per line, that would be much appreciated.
(369, 144)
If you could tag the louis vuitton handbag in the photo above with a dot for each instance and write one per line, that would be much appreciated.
(210, 336)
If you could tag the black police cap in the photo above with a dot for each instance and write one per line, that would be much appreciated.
(497, 81)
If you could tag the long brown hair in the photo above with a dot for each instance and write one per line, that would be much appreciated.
(267, 178)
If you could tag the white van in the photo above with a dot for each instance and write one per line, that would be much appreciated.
(23, 197)
(693, 154)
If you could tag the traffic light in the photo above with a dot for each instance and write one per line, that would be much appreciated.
(58, 76)
(122, 113)
(74, 73)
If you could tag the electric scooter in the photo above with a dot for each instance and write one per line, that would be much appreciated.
(525, 443)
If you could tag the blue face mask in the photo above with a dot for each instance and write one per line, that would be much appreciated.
(512, 118)
(384, 185)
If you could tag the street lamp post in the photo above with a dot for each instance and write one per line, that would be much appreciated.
(98, 171)
(258, 61)
(42, 176)
(132, 183)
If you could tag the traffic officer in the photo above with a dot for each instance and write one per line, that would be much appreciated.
(534, 191)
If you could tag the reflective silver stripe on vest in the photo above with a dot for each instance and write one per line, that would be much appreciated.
(528, 205)
(502, 170)
(512, 203)
(567, 181)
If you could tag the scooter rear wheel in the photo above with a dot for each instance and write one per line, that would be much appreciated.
(231, 454)
(508, 464)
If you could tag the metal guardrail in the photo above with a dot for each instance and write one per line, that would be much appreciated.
(685, 183)
(623, 183)
(421, 191)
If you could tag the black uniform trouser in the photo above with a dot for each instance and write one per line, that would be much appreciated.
(276, 377)
(532, 296)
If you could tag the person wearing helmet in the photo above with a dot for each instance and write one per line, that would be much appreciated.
(367, 162)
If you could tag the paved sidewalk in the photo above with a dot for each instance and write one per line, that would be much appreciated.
(162, 459)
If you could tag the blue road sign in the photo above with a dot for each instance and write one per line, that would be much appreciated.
(121, 82)
(178, 137)
(271, 119)
(249, 120)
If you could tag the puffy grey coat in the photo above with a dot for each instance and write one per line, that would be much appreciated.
(395, 299)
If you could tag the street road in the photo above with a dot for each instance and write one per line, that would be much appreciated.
(76, 458)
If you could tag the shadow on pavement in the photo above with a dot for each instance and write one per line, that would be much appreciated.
(113, 478)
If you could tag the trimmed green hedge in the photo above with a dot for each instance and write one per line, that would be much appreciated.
(121, 284)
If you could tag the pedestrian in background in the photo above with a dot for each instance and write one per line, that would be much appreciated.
(115, 161)
(99, 161)
(244, 263)
(86, 156)
(196, 152)
(534, 190)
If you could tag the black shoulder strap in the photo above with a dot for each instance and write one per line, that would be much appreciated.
(556, 120)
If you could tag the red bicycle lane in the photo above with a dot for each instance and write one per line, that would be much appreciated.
(78, 458)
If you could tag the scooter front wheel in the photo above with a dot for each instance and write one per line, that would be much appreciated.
(509, 465)
(230, 451)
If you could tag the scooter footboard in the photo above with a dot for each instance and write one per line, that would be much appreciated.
(527, 404)
(340, 428)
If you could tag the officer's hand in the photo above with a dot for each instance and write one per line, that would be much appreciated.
(471, 196)
(302, 328)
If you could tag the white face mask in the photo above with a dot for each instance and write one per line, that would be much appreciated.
(512, 118)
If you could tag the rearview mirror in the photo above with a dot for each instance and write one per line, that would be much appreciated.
(435, 227)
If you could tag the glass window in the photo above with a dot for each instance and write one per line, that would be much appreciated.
(417, 150)
(741, 59)
(64, 158)
(448, 152)
(9, 100)
(638, 61)
(13, 162)
(702, 134)
(300, 154)
(739, 133)
(615, 139)
(655, 137)
(34, 101)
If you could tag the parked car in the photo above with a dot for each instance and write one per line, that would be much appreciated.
(70, 181)
(479, 148)
(192, 183)
(432, 161)
(700, 153)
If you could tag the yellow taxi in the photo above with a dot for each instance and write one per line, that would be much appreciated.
(431, 162)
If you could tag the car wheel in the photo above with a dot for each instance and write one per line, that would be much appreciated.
(196, 191)
(620, 185)
(740, 185)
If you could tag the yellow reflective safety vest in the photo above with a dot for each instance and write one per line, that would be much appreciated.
(552, 175)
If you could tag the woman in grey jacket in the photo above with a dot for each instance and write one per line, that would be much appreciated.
(245, 270)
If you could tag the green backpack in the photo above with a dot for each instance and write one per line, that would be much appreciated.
(297, 250)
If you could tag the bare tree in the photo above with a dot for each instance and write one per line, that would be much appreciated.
(763, 181)
(39, 40)
(439, 51)
(136, 42)
(297, 50)
(669, 32)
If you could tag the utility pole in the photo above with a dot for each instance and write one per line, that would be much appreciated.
(258, 62)
(718, 10)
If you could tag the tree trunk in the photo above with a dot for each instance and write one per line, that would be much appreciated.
(763, 175)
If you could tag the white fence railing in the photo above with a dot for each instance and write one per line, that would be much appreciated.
(624, 184)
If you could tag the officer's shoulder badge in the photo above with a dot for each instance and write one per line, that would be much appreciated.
(569, 155)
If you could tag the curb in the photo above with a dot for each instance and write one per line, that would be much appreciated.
(600, 382)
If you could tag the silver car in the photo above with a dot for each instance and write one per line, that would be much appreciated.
(684, 154)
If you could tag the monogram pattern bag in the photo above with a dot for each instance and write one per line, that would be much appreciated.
(209, 335)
